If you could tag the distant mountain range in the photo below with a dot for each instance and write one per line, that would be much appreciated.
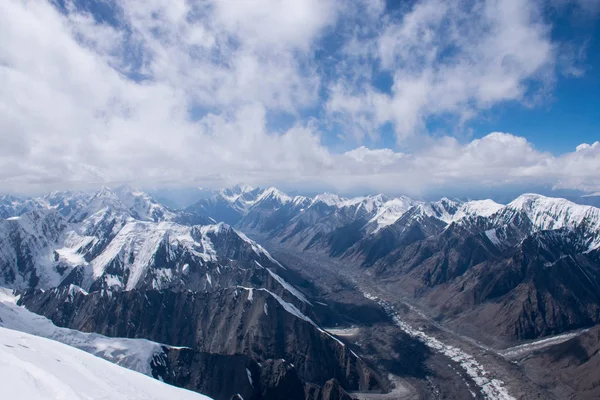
(469, 262)
(119, 263)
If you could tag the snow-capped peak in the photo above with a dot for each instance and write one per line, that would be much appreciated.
(554, 213)
(142, 206)
(233, 193)
(243, 188)
(369, 204)
(330, 199)
(300, 200)
(105, 193)
(443, 209)
(390, 211)
(483, 208)
(276, 194)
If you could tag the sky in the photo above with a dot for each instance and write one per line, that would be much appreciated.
(468, 98)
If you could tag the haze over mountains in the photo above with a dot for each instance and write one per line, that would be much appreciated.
(226, 317)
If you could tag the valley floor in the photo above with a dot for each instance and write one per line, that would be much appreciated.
(423, 359)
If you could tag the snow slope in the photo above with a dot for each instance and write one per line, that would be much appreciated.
(33, 367)
(134, 354)
(483, 208)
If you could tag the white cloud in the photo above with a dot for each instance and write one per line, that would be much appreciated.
(494, 161)
(449, 58)
(180, 92)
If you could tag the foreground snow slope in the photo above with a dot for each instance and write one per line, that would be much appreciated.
(37, 368)
(134, 354)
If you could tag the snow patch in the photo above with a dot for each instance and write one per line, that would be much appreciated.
(288, 287)
(491, 235)
(249, 377)
(523, 349)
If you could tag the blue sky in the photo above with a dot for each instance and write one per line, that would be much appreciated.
(571, 113)
(423, 97)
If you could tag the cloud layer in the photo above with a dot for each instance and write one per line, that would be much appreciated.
(185, 92)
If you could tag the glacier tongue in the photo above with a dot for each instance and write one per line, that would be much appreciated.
(492, 388)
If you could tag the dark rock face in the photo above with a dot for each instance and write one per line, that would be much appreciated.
(205, 287)
(471, 271)
(41, 249)
(233, 321)
(279, 380)
(574, 363)
(223, 377)
(523, 271)
(330, 391)
(410, 228)
(463, 276)
(325, 228)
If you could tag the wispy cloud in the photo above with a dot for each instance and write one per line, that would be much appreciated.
(448, 59)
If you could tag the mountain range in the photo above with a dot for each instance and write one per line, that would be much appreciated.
(119, 263)
(457, 258)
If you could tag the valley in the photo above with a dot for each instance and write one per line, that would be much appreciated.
(482, 372)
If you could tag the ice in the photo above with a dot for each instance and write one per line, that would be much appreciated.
(491, 387)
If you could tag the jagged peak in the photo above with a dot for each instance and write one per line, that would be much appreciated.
(274, 193)
(215, 228)
(128, 190)
(9, 198)
(105, 192)
(445, 202)
(390, 211)
(327, 198)
(242, 188)
(236, 192)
